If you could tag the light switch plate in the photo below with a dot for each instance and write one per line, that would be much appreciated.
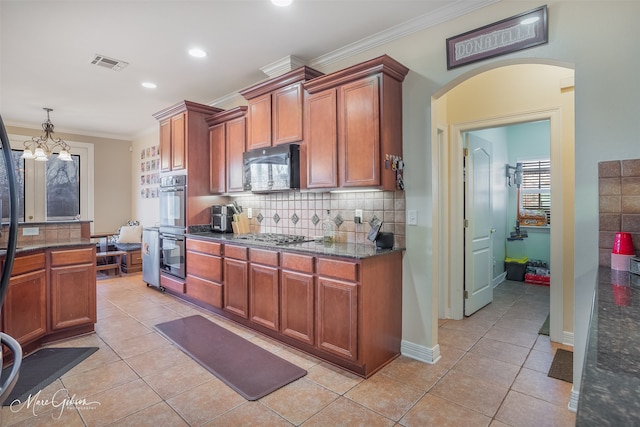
(249, 213)
(412, 217)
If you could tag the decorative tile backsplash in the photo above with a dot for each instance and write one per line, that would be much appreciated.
(302, 213)
(619, 204)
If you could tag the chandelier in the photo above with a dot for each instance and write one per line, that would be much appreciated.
(40, 147)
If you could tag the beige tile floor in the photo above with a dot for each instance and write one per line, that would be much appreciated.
(493, 372)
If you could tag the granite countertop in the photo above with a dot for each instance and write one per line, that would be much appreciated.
(33, 247)
(345, 250)
(611, 374)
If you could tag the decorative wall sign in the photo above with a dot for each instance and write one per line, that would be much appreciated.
(509, 35)
(149, 168)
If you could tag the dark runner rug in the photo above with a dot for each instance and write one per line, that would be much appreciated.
(245, 367)
(41, 368)
(562, 366)
(544, 329)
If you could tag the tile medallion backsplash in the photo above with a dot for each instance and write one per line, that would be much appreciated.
(303, 213)
(619, 204)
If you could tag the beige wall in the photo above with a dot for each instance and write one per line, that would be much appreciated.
(112, 176)
(144, 210)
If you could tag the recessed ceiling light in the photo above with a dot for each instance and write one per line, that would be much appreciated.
(282, 2)
(197, 53)
(149, 85)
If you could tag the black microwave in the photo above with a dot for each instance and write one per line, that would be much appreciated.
(272, 169)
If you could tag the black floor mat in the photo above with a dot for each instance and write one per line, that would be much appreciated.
(41, 368)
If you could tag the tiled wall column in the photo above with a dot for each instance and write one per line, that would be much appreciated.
(619, 192)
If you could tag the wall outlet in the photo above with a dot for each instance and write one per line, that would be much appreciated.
(249, 213)
(30, 231)
(357, 218)
(412, 217)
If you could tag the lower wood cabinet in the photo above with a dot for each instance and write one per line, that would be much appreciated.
(73, 299)
(51, 295)
(347, 311)
(236, 292)
(204, 276)
(337, 318)
(24, 312)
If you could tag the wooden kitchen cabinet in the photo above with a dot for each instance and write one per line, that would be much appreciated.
(73, 288)
(363, 126)
(184, 149)
(227, 140)
(297, 297)
(275, 109)
(236, 292)
(337, 312)
(24, 313)
(204, 275)
(264, 289)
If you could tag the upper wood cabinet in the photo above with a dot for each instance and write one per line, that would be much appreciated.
(184, 149)
(276, 109)
(353, 122)
(227, 141)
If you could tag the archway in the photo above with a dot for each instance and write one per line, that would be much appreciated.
(500, 94)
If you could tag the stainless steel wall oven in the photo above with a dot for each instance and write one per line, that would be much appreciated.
(173, 225)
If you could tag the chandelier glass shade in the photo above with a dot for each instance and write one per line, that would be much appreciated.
(40, 147)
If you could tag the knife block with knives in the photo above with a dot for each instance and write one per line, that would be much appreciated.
(240, 223)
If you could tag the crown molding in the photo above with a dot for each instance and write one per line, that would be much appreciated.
(444, 14)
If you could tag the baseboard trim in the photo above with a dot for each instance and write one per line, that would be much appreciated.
(567, 338)
(499, 279)
(420, 352)
(573, 400)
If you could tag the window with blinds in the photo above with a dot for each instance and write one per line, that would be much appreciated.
(535, 190)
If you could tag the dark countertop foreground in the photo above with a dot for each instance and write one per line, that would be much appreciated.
(346, 250)
(23, 249)
(610, 386)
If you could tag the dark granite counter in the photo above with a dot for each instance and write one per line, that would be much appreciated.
(23, 249)
(345, 250)
(610, 387)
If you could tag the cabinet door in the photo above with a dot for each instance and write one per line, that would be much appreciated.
(264, 296)
(236, 141)
(217, 161)
(297, 298)
(322, 140)
(236, 298)
(359, 133)
(165, 145)
(178, 141)
(25, 307)
(287, 114)
(337, 317)
(259, 122)
(73, 296)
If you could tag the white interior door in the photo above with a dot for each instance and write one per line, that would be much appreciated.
(478, 225)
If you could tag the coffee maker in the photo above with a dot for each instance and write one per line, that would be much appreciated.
(221, 218)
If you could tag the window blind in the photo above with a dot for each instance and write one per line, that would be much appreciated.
(535, 190)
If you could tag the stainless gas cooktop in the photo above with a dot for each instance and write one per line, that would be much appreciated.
(273, 238)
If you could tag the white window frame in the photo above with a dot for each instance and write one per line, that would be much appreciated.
(34, 193)
(546, 191)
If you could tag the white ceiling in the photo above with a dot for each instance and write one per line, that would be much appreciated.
(46, 48)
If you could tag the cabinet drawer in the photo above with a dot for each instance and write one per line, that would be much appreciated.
(204, 290)
(206, 266)
(73, 256)
(134, 258)
(262, 256)
(174, 284)
(210, 248)
(339, 269)
(297, 262)
(236, 252)
(27, 263)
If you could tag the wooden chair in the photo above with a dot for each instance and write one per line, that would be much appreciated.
(109, 260)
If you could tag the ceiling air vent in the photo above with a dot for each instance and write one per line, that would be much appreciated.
(105, 61)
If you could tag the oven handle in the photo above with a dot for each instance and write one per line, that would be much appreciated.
(175, 239)
(170, 189)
